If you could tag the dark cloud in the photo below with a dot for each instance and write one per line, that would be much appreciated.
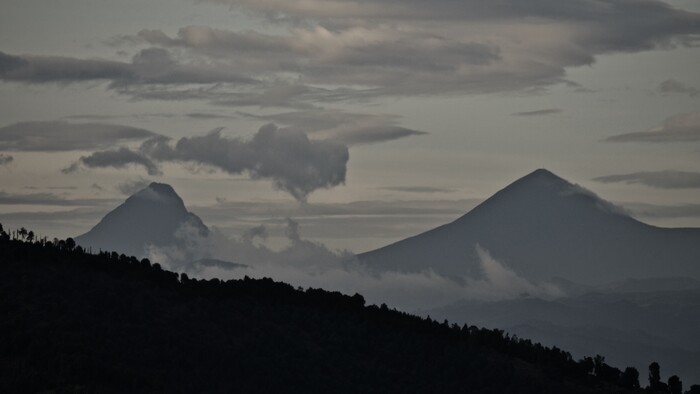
(668, 179)
(348, 128)
(677, 128)
(130, 187)
(58, 136)
(117, 158)
(149, 66)
(289, 158)
(674, 86)
(5, 159)
(418, 189)
(38, 69)
(539, 112)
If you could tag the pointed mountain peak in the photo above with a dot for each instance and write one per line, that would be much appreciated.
(151, 216)
(158, 192)
(543, 177)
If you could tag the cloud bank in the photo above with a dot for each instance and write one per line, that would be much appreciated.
(354, 49)
(310, 264)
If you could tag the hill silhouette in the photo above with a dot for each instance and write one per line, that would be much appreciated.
(542, 226)
(77, 322)
(151, 216)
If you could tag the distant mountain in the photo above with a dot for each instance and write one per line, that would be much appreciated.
(542, 226)
(630, 328)
(151, 216)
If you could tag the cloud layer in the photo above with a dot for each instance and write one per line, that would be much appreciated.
(56, 136)
(677, 128)
(310, 264)
(345, 127)
(668, 179)
(354, 49)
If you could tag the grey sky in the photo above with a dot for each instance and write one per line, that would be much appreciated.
(383, 102)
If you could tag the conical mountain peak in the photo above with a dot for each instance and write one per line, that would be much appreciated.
(542, 226)
(151, 216)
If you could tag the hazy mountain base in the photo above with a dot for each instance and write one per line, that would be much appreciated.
(74, 322)
(629, 326)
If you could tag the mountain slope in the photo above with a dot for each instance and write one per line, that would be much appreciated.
(75, 322)
(542, 226)
(151, 216)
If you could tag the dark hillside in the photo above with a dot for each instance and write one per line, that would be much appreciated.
(75, 322)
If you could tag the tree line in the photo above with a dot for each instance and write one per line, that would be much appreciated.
(74, 321)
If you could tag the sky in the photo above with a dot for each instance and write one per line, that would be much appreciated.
(364, 121)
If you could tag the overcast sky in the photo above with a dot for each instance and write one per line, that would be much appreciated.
(367, 121)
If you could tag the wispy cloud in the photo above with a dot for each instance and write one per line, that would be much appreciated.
(48, 199)
(419, 189)
(56, 136)
(345, 127)
(539, 112)
(117, 158)
(677, 128)
(668, 179)
(674, 86)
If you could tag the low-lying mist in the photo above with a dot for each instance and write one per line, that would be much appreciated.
(306, 263)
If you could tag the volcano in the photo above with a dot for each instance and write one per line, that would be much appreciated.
(542, 227)
(151, 216)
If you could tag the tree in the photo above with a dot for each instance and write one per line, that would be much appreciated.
(30, 236)
(630, 378)
(675, 386)
(70, 243)
(654, 375)
(694, 389)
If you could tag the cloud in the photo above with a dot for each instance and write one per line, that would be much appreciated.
(348, 128)
(130, 187)
(416, 47)
(653, 211)
(310, 264)
(56, 136)
(540, 112)
(295, 163)
(49, 199)
(149, 66)
(667, 179)
(677, 128)
(117, 158)
(5, 159)
(674, 86)
(354, 50)
(418, 189)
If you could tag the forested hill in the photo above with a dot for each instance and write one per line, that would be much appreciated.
(75, 322)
